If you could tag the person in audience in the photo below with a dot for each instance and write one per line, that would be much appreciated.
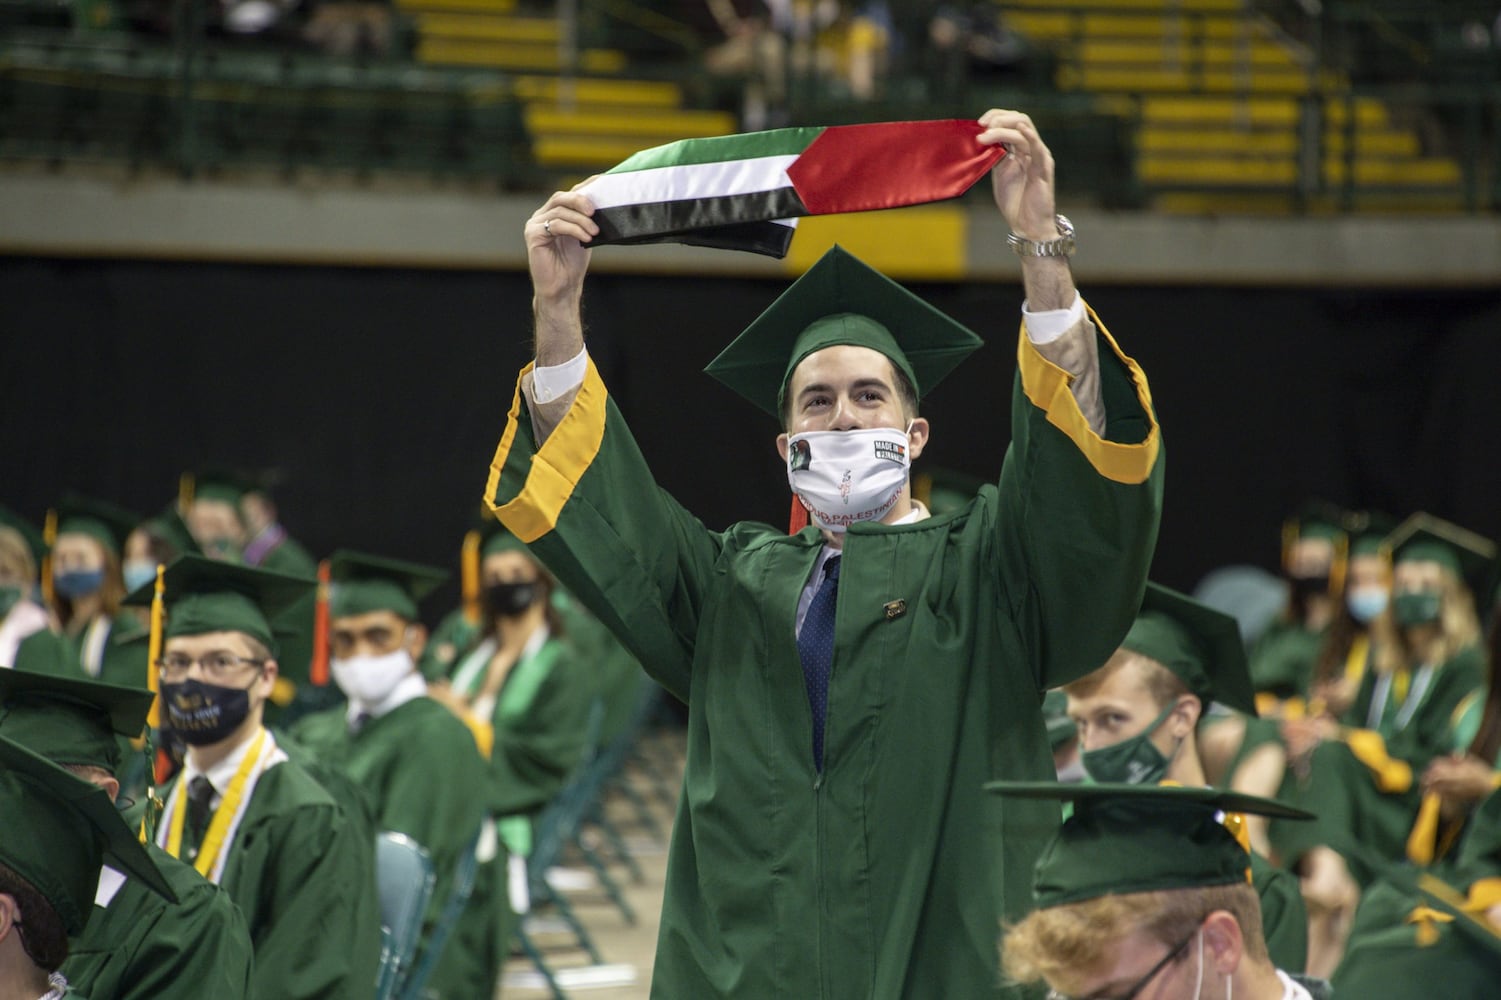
(1145, 892)
(91, 637)
(21, 553)
(1364, 774)
(298, 864)
(58, 832)
(137, 945)
(523, 676)
(419, 765)
(1138, 717)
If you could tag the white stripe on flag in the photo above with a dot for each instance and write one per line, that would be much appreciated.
(702, 180)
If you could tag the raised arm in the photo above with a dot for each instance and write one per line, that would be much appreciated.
(557, 237)
(1081, 488)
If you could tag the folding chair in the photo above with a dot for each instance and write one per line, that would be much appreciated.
(404, 880)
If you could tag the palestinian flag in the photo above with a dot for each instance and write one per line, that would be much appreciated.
(745, 192)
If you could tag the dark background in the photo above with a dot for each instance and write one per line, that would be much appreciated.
(380, 395)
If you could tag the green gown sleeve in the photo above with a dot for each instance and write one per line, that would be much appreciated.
(303, 874)
(453, 634)
(1079, 511)
(141, 947)
(1284, 919)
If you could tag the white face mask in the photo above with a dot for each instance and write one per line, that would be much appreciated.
(848, 476)
(368, 680)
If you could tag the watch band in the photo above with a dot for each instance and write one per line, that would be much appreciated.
(1063, 246)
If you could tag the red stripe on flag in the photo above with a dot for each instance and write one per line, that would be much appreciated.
(860, 168)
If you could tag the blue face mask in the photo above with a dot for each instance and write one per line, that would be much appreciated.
(78, 583)
(1366, 603)
(138, 573)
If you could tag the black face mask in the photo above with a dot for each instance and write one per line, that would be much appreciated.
(200, 714)
(1310, 586)
(511, 599)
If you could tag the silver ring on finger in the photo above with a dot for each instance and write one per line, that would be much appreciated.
(547, 227)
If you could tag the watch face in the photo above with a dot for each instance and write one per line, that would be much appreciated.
(1065, 228)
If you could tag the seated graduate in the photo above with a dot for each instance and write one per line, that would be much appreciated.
(1145, 892)
(522, 675)
(297, 864)
(1363, 773)
(137, 946)
(418, 764)
(91, 635)
(22, 551)
(58, 831)
(1138, 719)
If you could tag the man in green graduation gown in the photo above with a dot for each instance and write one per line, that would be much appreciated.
(829, 840)
(137, 945)
(1138, 717)
(418, 764)
(58, 831)
(1144, 892)
(299, 867)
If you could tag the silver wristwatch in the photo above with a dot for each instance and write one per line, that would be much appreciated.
(1063, 246)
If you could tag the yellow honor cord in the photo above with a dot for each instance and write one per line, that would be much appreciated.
(49, 538)
(218, 829)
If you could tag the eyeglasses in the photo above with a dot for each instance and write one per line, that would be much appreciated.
(216, 665)
(1141, 983)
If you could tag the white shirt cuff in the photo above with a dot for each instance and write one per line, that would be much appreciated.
(559, 380)
(1047, 326)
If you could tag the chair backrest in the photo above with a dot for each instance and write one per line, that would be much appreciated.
(404, 880)
(458, 897)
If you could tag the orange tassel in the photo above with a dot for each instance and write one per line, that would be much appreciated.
(797, 520)
(469, 576)
(318, 670)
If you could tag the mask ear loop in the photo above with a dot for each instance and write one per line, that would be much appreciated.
(1199, 985)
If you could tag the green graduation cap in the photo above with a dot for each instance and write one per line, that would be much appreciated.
(71, 721)
(108, 523)
(28, 531)
(1367, 529)
(1139, 838)
(841, 300)
(1316, 519)
(363, 583)
(1201, 646)
(496, 537)
(172, 529)
(207, 595)
(218, 482)
(1425, 538)
(58, 831)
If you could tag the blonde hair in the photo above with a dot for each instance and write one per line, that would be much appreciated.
(13, 549)
(1164, 686)
(1459, 628)
(1065, 944)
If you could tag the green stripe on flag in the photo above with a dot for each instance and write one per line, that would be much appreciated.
(686, 152)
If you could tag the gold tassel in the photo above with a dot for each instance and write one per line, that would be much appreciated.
(1424, 836)
(154, 649)
(469, 576)
(49, 538)
(187, 487)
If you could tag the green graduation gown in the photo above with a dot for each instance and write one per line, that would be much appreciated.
(303, 874)
(1284, 918)
(123, 661)
(138, 946)
(424, 777)
(886, 874)
(1342, 790)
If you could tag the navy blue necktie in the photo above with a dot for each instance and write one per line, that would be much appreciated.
(815, 645)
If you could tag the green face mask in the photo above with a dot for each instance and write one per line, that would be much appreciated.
(9, 598)
(1134, 761)
(1416, 607)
